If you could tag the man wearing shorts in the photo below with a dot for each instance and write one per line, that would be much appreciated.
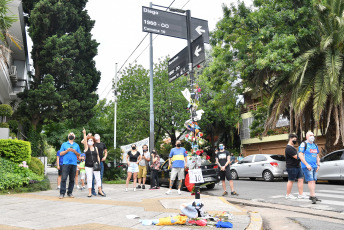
(59, 163)
(310, 163)
(178, 160)
(294, 169)
(223, 160)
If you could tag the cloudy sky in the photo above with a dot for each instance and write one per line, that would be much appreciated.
(118, 29)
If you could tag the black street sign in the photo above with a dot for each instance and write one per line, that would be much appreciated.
(171, 24)
(178, 65)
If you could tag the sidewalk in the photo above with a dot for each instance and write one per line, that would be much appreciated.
(43, 210)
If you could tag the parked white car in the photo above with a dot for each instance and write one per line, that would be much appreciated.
(332, 167)
(266, 166)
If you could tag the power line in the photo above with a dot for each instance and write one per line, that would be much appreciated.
(109, 84)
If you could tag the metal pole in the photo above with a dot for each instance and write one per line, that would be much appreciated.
(188, 27)
(115, 114)
(151, 112)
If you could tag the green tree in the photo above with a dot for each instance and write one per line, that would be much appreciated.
(315, 89)
(62, 54)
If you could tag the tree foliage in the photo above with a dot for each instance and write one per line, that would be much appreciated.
(64, 78)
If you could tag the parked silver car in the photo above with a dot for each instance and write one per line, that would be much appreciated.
(266, 166)
(332, 167)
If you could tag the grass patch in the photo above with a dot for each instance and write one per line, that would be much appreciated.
(115, 182)
(33, 187)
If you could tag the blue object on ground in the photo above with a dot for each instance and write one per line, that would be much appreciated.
(221, 224)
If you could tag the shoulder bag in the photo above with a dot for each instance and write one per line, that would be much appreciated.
(96, 166)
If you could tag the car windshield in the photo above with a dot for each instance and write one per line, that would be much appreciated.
(278, 157)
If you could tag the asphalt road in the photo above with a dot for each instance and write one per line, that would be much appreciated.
(332, 196)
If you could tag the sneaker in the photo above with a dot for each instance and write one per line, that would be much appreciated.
(290, 197)
(139, 186)
(313, 199)
(134, 189)
(61, 196)
(94, 193)
(70, 195)
(143, 186)
(303, 196)
(225, 193)
(169, 192)
(179, 192)
(78, 187)
(316, 198)
(83, 188)
(126, 189)
(234, 193)
(58, 187)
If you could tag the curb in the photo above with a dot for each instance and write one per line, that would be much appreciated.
(256, 221)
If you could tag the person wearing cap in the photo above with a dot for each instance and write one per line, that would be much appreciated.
(70, 151)
(102, 155)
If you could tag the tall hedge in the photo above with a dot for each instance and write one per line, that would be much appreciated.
(36, 166)
(15, 150)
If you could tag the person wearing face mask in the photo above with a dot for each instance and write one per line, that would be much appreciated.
(143, 167)
(92, 156)
(133, 159)
(81, 168)
(70, 150)
(155, 166)
(179, 158)
(294, 169)
(102, 155)
(310, 163)
(223, 161)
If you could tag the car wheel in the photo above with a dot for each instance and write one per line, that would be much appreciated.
(253, 178)
(268, 176)
(285, 178)
(234, 175)
(210, 186)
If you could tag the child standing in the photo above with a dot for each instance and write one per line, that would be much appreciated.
(81, 167)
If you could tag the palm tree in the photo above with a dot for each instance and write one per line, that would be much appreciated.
(313, 93)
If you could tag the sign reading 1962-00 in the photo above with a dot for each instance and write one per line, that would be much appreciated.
(178, 64)
(171, 24)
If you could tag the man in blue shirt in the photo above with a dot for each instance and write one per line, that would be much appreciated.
(70, 151)
(310, 163)
(178, 157)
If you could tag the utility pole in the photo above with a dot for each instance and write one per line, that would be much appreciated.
(115, 114)
(151, 98)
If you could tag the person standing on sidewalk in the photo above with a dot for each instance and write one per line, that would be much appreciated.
(102, 155)
(70, 150)
(59, 162)
(143, 167)
(82, 171)
(92, 156)
(155, 167)
(223, 160)
(310, 163)
(133, 159)
(294, 169)
(178, 161)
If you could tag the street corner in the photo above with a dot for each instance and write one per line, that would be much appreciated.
(256, 221)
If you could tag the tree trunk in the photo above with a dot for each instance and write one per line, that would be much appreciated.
(330, 139)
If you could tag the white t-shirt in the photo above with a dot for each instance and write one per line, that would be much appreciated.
(143, 161)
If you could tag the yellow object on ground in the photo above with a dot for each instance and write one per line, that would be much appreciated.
(172, 220)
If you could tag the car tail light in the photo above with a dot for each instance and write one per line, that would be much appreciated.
(216, 166)
(275, 164)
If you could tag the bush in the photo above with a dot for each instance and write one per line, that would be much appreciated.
(15, 150)
(13, 176)
(36, 166)
(111, 174)
(4, 125)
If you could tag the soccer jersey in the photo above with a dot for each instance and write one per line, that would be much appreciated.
(311, 154)
(177, 157)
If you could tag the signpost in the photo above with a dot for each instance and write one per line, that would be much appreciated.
(171, 24)
(178, 65)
